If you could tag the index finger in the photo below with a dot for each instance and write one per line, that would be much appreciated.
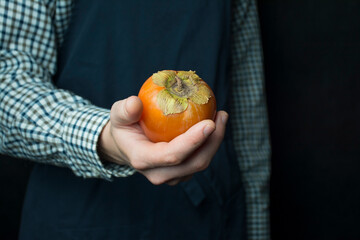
(178, 149)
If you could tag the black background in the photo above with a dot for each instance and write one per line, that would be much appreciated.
(312, 70)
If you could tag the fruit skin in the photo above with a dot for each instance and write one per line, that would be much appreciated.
(163, 128)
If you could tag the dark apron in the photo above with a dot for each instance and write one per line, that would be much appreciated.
(110, 49)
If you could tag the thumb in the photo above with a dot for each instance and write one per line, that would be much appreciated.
(126, 111)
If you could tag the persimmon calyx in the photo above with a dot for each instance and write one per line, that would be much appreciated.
(179, 88)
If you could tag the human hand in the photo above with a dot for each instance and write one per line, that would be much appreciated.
(122, 141)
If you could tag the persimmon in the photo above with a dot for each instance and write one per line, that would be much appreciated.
(173, 101)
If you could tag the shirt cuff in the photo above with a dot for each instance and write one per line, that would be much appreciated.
(81, 133)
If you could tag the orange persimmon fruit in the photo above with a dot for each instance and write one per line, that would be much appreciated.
(173, 101)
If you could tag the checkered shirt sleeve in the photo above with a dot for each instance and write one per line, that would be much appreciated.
(249, 117)
(37, 120)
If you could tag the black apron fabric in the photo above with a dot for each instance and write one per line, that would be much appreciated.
(110, 49)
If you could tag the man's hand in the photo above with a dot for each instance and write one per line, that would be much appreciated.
(122, 141)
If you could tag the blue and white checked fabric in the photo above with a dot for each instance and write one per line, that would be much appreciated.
(41, 122)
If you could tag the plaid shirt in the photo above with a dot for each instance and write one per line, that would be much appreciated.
(41, 122)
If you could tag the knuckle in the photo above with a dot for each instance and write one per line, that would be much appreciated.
(118, 110)
(113, 107)
(172, 159)
(113, 111)
(137, 162)
(156, 180)
(138, 165)
(201, 165)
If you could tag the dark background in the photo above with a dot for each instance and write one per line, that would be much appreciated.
(312, 69)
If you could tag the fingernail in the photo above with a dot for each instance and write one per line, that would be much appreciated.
(224, 118)
(208, 130)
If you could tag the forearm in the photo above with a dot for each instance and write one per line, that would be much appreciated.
(46, 124)
(37, 120)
